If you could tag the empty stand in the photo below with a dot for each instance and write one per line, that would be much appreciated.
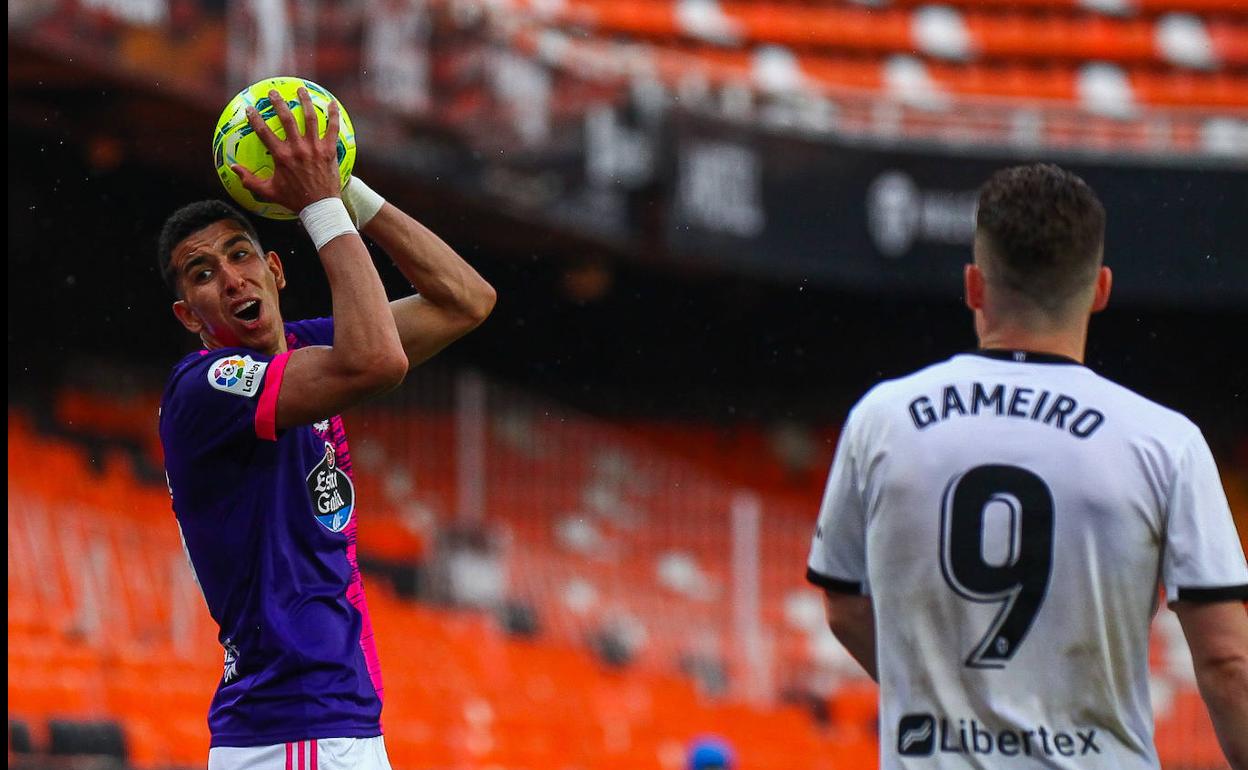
(1107, 75)
(104, 621)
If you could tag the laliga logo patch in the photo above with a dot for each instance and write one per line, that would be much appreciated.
(228, 372)
(241, 376)
(333, 496)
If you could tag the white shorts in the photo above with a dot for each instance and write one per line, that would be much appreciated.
(323, 754)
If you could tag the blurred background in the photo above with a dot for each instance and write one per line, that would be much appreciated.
(712, 225)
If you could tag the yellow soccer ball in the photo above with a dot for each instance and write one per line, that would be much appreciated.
(236, 142)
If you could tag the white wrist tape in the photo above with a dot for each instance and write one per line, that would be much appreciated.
(325, 220)
(362, 203)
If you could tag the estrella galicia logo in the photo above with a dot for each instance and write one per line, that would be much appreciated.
(916, 735)
(333, 495)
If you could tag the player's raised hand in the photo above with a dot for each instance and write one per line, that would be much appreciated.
(305, 164)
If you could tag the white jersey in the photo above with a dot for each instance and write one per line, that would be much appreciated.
(1011, 516)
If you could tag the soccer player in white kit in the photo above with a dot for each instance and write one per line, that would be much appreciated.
(995, 526)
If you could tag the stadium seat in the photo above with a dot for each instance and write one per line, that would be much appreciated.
(20, 740)
(99, 738)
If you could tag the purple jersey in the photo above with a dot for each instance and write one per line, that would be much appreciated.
(269, 522)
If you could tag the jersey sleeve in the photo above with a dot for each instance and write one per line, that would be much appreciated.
(838, 550)
(226, 396)
(313, 331)
(1203, 559)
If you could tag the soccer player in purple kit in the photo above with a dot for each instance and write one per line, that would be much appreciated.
(257, 458)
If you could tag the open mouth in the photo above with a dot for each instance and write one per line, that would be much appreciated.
(248, 312)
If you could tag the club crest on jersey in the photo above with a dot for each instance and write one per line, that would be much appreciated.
(240, 375)
(331, 491)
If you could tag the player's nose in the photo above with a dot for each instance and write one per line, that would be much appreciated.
(233, 278)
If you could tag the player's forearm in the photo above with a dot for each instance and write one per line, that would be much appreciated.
(1217, 633)
(365, 336)
(440, 275)
(1224, 687)
(861, 645)
(852, 621)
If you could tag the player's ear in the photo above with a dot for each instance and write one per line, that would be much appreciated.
(275, 267)
(973, 286)
(187, 317)
(1104, 282)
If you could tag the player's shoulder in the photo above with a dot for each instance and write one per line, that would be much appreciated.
(227, 370)
(189, 363)
(1147, 415)
(885, 393)
(310, 331)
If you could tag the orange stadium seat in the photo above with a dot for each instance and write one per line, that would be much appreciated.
(131, 418)
(1230, 40)
(647, 19)
(1061, 37)
(1216, 90)
(1194, 6)
(834, 26)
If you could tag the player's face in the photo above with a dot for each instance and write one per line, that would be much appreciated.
(229, 289)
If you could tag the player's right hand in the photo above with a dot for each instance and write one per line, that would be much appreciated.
(305, 164)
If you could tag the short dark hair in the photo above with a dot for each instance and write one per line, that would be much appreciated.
(187, 220)
(1045, 232)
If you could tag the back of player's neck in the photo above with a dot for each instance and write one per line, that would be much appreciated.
(1061, 342)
